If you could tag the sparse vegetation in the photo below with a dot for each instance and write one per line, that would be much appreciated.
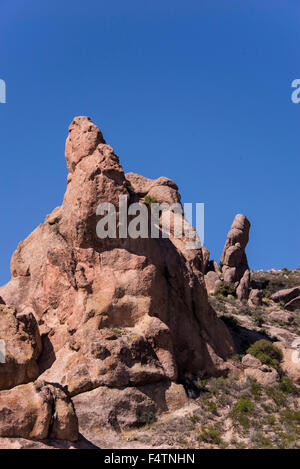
(266, 352)
(225, 289)
(211, 435)
(145, 418)
(150, 200)
(230, 322)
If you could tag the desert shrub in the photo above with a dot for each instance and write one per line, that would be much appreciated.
(150, 200)
(225, 289)
(260, 440)
(240, 412)
(211, 435)
(230, 322)
(287, 386)
(145, 418)
(194, 418)
(291, 416)
(271, 420)
(274, 393)
(245, 309)
(255, 389)
(258, 318)
(266, 352)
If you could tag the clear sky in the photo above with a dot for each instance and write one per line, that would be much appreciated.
(199, 91)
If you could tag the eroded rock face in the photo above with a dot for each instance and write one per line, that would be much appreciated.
(263, 374)
(114, 311)
(22, 347)
(286, 295)
(37, 411)
(255, 297)
(234, 260)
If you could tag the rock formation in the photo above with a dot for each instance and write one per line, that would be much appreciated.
(37, 411)
(120, 319)
(290, 297)
(234, 260)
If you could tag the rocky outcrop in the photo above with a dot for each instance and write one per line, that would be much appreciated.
(286, 295)
(281, 316)
(212, 280)
(114, 311)
(254, 369)
(293, 305)
(290, 297)
(22, 347)
(127, 407)
(37, 411)
(234, 260)
(255, 297)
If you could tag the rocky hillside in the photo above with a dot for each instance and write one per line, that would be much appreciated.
(141, 342)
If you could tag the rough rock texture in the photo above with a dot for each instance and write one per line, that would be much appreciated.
(249, 361)
(37, 412)
(263, 374)
(234, 260)
(286, 295)
(294, 304)
(22, 347)
(116, 311)
(125, 408)
(205, 259)
(290, 363)
(281, 316)
(212, 280)
(255, 297)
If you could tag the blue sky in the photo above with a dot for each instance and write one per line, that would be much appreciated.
(199, 91)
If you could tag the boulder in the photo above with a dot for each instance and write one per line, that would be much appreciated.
(294, 304)
(37, 411)
(23, 347)
(249, 361)
(264, 375)
(255, 297)
(281, 316)
(211, 281)
(286, 294)
(125, 408)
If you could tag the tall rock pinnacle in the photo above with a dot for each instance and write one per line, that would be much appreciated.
(122, 312)
(234, 260)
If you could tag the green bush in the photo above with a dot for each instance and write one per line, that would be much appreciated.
(145, 418)
(230, 322)
(276, 395)
(241, 411)
(211, 435)
(225, 289)
(150, 200)
(266, 352)
(287, 386)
